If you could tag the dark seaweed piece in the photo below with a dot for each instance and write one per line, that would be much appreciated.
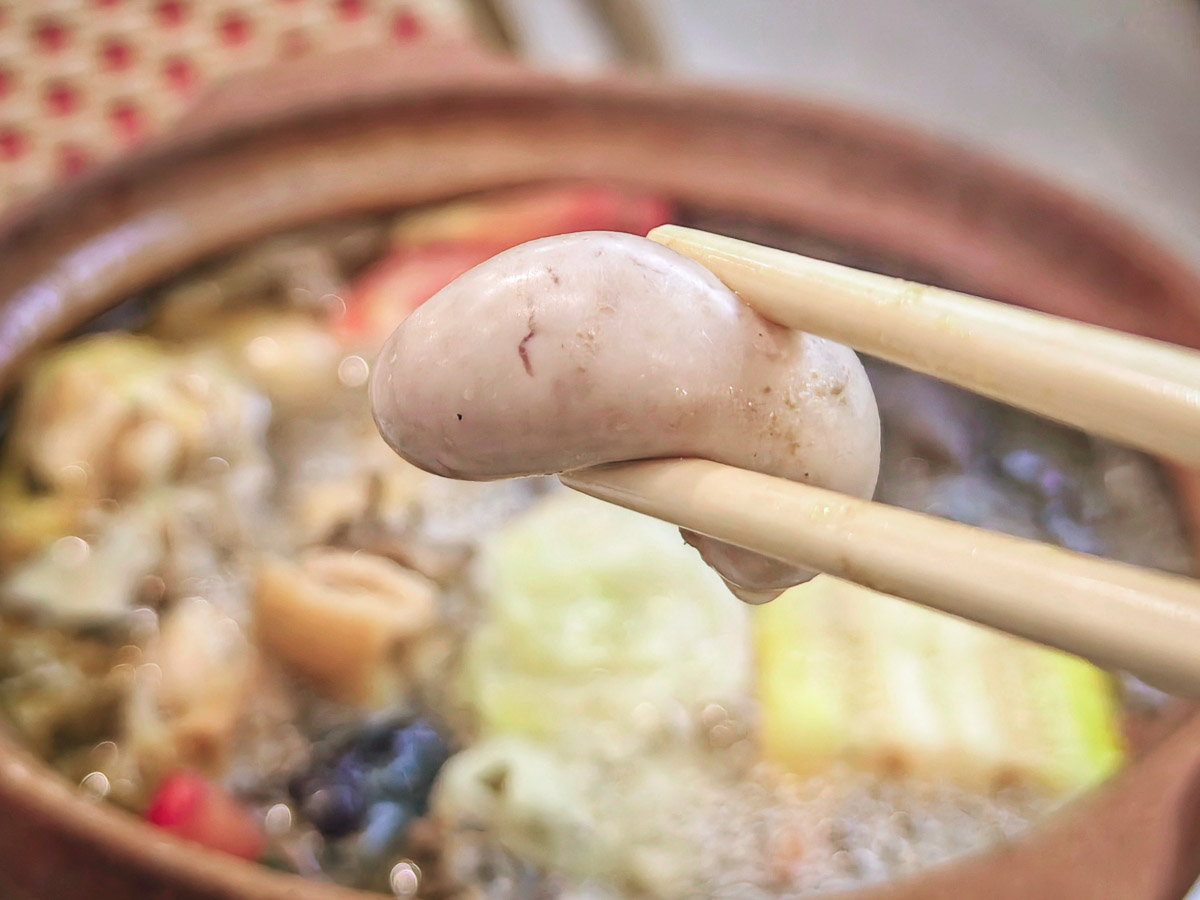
(384, 769)
(336, 810)
(418, 754)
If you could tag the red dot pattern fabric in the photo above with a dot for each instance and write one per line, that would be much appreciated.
(81, 80)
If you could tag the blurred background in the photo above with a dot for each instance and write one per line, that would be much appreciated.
(1102, 95)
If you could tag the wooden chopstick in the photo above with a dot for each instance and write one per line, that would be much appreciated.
(1135, 391)
(1116, 615)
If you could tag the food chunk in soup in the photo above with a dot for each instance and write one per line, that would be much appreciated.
(601, 347)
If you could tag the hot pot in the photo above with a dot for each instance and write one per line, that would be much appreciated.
(319, 139)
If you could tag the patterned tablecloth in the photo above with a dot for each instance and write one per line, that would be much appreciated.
(81, 80)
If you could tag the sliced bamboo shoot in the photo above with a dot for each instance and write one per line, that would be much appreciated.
(846, 674)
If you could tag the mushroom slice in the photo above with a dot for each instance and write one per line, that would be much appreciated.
(346, 622)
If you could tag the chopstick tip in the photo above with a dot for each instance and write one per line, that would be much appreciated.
(667, 234)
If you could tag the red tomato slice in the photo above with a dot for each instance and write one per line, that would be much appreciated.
(398, 284)
(437, 245)
(193, 808)
(524, 214)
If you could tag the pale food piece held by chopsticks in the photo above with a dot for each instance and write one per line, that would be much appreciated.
(1113, 614)
(1132, 390)
(600, 347)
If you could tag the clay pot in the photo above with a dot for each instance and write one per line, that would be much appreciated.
(320, 139)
